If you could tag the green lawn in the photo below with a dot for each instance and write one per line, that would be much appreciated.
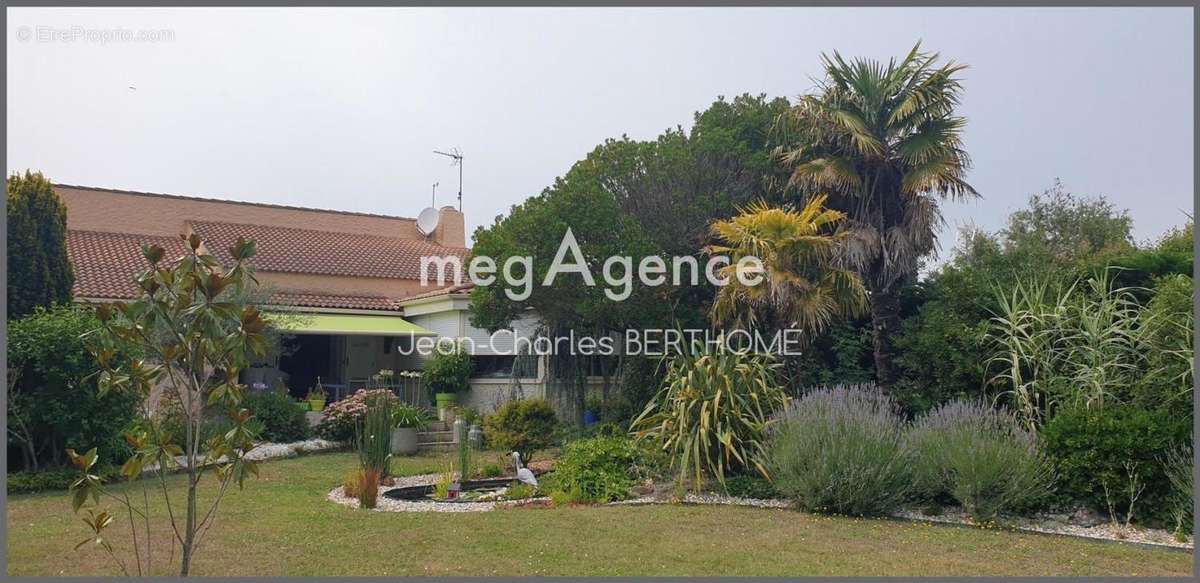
(283, 525)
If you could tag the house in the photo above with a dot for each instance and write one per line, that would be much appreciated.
(344, 286)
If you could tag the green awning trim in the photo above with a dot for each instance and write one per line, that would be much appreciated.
(348, 324)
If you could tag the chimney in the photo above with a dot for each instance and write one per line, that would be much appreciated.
(452, 229)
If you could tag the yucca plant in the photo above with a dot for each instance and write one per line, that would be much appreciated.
(711, 414)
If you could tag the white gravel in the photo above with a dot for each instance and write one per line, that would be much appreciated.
(266, 451)
(1106, 531)
(708, 498)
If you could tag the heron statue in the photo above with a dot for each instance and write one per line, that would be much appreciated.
(523, 473)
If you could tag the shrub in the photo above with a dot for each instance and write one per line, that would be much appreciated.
(711, 412)
(53, 399)
(1178, 464)
(751, 486)
(841, 450)
(447, 372)
(1091, 447)
(368, 487)
(524, 426)
(173, 425)
(981, 457)
(407, 415)
(1168, 330)
(350, 483)
(340, 417)
(599, 469)
(520, 491)
(34, 482)
(492, 471)
(283, 421)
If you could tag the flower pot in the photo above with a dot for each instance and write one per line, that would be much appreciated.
(445, 402)
(459, 430)
(316, 404)
(404, 441)
(303, 406)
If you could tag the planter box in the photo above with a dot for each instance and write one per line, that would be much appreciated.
(404, 441)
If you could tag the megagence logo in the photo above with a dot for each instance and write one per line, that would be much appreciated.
(617, 273)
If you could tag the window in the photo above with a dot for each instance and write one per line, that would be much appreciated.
(501, 367)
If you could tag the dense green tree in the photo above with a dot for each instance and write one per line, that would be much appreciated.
(537, 229)
(53, 400)
(883, 140)
(1067, 227)
(39, 273)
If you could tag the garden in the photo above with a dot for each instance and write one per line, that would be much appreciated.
(1022, 408)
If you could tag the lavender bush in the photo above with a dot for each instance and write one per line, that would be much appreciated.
(841, 450)
(980, 456)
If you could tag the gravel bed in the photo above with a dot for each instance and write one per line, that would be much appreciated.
(385, 504)
(707, 498)
(1106, 531)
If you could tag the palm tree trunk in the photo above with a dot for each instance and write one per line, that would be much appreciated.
(885, 321)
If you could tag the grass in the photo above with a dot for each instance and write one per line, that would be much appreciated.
(282, 525)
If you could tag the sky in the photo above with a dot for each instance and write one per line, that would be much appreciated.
(342, 108)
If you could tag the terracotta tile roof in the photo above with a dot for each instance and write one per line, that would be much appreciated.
(106, 263)
(454, 289)
(320, 300)
(228, 201)
(292, 250)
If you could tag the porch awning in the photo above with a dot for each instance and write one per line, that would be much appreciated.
(348, 324)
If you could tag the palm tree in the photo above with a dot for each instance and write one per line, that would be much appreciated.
(802, 285)
(885, 144)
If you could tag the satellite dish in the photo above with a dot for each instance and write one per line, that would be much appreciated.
(427, 221)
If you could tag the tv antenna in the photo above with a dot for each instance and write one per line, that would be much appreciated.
(433, 197)
(457, 158)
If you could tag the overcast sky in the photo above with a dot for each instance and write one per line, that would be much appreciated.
(340, 108)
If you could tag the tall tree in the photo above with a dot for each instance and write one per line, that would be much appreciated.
(884, 142)
(39, 273)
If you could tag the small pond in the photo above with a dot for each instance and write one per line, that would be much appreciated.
(472, 491)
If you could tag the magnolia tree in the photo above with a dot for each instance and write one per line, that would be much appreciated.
(194, 333)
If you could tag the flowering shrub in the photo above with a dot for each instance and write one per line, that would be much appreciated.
(980, 456)
(340, 417)
(841, 450)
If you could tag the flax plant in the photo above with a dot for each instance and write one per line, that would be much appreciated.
(711, 414)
